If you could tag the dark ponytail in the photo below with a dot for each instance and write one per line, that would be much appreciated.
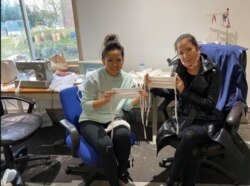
(110, 43)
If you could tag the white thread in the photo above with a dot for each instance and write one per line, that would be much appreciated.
(17, 91)
(175, 110)
(143, 107)
(121, 93)
(168, 83)
(142, 104)
(113, 119)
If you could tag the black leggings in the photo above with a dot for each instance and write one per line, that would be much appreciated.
(186, 159)
(113, 155)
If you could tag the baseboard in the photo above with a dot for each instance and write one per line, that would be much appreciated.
(245, 119)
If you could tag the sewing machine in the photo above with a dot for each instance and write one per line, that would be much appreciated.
(34, 74)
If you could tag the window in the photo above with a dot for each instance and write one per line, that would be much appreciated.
(13, 37)
(48, 30)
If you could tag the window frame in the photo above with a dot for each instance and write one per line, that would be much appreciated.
(29, 35)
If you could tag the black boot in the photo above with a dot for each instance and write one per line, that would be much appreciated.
(171, 182)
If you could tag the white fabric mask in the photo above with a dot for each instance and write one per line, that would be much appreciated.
(162, 82)
(121, 93)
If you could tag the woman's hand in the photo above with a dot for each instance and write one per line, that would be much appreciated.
(179, 84)
(107, 96)
(143, 94)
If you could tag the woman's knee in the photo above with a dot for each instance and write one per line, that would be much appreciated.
(188, 135)
(121, 133)
(196, 152)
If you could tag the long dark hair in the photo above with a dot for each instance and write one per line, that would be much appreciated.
(110, 43)
(190, 37)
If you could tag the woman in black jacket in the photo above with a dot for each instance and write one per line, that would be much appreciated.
(198, 85)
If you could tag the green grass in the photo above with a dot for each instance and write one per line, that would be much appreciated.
(18, 44)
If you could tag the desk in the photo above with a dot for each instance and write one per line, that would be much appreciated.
(49, 100)
(27, 91)
(44, 97)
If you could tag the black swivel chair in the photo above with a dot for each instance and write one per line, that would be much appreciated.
(233, 115)
(15, 129)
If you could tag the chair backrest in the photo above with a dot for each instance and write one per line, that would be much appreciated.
(1, 108)
(70, 101)
(231, 59)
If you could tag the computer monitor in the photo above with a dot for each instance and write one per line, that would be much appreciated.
(86, 66)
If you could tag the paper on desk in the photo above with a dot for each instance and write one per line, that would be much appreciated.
(7, 87)
(59, 83)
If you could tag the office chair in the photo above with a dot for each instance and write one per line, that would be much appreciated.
(70, 101)
(232, 61)
(15, 129)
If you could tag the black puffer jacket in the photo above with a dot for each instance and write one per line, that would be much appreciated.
(197, 103)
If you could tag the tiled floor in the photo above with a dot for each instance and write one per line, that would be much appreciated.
(150, 167)
(104, 183)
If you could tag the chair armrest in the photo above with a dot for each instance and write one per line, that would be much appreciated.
(75, 138)
(234, 116)
(128, 116)
(31, 102)
(163, 105)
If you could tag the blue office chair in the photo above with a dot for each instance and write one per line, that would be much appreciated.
(231, 60)
(70, 101)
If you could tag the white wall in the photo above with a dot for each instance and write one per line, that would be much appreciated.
(148, 28)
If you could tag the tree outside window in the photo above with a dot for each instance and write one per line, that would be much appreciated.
(51, 25)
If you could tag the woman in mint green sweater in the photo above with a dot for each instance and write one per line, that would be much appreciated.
(96, 115)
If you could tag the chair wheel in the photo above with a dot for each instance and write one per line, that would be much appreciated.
(236, 183)
(163, 162)
(68, 171)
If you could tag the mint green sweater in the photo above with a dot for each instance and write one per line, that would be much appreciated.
(97, 83)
